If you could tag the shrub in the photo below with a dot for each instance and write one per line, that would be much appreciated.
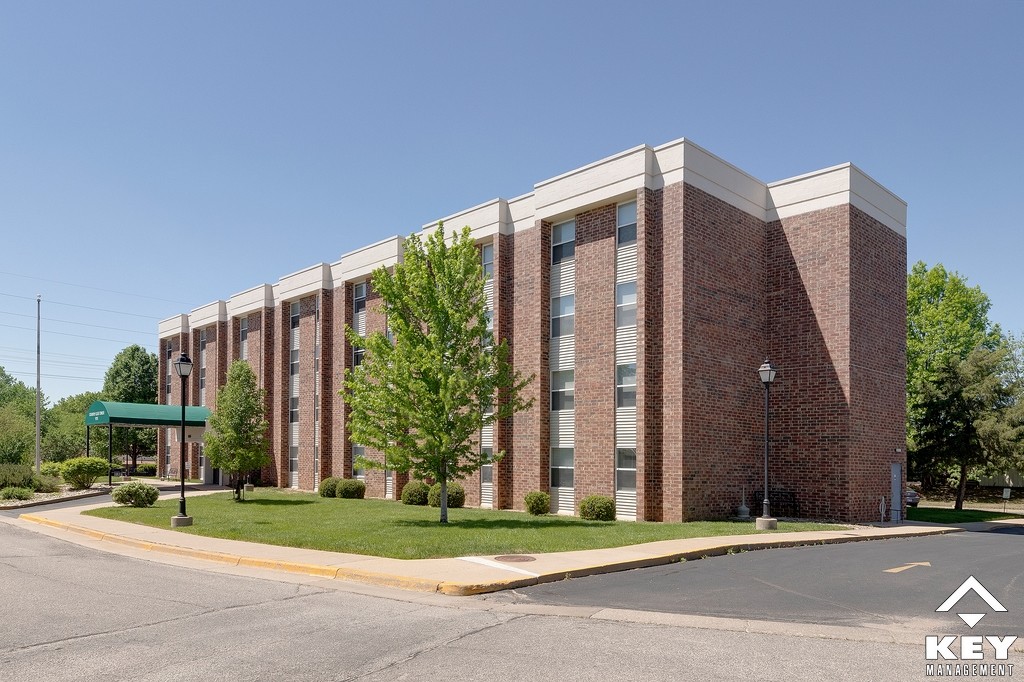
(329, 487)
(16, 493)
(82, 472)
(50, 469)
(456, 495)
(146, 469)
(537, 502)
(415, 492)
(135, 494)
(45, 484)
(351, 489)
(15, 476)
(597, 508)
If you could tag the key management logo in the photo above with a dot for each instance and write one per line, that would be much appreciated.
(969, 655)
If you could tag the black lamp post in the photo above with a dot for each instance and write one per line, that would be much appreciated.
(767, 373)
(183, 366)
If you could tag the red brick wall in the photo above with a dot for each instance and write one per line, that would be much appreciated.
(376, 321)
(809, 328)
(723, 344)
(878, 294)
(328, 385)
(341, 360)
(504, 286)
(594, 461)
(277, 472)
(531, 307)
(307, 389)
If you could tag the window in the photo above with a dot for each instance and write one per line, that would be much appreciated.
(563, 316)
(293, 410)
(626, 222)
(295, 315)
(202, 366)
(293, 365)
(625, 385)
(358, 319)
(625, 469)
(487, 470)
(563, 390)
(563, 242)
(487, 259)
(357, 452)
(625, 305)
(170, 360)
(561, 467)
(243, 338)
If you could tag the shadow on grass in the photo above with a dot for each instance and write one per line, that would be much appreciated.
(276, 503)
(496, 524)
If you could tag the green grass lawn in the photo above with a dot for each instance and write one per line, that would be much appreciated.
(392, 529)
(937, 515)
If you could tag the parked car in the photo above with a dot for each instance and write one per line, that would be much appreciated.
(912, 497)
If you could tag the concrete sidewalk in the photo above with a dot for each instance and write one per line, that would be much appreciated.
(457, 576)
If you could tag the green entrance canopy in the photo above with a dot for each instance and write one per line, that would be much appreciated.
(143, 415)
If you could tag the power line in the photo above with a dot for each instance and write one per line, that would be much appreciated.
(55, 376)
(80, 336)
(82, 324)
(86, 286)
(83, 307)
(66, 355)
(48, 361)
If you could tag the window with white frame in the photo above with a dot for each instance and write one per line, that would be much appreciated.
(563, 315)
(625, 469)
(243, 338)
(625, 385)
(563, 390)
(625, 304)
(563, 242)
(626, 223)
(487, 260)
(487, 470)
(357, 452)
(561, 467)
(202, 367)
(358, 319)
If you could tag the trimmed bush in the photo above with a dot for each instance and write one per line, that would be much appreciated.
(82, 472)
(597, 508)
(135, 494)
(329, 487)
(415, 492)
(15, 476)
(456, 495)
(146, 469)
(16, 493)
(351, 489)
(537, 502)
(50, 469)
(45, 484)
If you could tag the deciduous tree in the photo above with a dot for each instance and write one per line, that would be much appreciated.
(132, 378)
(236, 440)
(421, 396)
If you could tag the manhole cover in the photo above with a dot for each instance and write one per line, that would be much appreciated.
(514, 558)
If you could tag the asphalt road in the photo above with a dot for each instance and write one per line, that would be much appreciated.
(69, 612)
(863, 584)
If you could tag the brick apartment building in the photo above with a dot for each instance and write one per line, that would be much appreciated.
(643, 291)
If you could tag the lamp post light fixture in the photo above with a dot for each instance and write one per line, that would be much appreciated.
(767, 373)
(183, 366)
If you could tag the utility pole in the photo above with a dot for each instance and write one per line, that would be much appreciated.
(39, 401)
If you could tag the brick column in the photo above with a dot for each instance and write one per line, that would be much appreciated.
(504, 326)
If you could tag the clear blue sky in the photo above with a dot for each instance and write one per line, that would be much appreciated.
(172, 154)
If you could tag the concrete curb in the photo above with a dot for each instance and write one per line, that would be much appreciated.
(456, 588)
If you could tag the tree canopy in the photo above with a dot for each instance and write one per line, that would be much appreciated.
(969, 416)
(236, 440)
(421, 396)
(132, 378)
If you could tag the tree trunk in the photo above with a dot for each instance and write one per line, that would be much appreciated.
(961, 490)
(444, 494)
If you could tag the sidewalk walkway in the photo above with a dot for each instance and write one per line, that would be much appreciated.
(457, 576)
